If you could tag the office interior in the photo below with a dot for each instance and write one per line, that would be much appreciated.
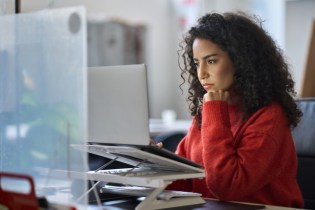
(155, 29)
(288, 21)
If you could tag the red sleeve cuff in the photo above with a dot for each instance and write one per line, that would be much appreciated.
(215, 112)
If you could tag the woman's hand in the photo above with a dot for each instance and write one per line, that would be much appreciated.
(158, 145)
(218, 95)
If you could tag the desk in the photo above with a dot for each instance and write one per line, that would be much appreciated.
(211, 204)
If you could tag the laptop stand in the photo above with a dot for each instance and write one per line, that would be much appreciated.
(151, 200)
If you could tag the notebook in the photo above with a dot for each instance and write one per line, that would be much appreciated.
(118, 119)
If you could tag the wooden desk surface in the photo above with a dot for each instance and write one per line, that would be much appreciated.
(210, 204)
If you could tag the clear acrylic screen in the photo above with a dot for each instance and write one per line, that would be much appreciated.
(43, 99)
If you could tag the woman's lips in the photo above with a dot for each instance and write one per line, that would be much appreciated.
(207, 86)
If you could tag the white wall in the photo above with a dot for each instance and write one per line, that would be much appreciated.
(7, 7)
(299, 17)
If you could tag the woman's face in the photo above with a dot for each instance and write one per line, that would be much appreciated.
(215, 69)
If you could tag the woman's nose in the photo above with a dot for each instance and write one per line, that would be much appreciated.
(203, 73)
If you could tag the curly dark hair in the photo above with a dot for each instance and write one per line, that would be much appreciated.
(261, 72)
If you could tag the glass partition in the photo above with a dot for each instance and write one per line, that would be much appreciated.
(43, 100)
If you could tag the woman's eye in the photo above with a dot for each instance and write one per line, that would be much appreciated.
(196, 64)
(212, 61)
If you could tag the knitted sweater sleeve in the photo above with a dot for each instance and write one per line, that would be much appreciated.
(235, 168)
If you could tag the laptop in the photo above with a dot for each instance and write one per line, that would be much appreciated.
(118, 120)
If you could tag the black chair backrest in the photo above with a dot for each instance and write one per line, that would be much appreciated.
(304, 139)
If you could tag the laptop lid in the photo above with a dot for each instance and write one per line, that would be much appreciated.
(118, 105)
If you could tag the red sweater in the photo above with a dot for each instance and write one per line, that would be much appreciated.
(254, 161)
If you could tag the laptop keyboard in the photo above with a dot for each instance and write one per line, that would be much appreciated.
(129, 172)
(144, 191)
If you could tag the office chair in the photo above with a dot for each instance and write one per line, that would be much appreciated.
(304, 139)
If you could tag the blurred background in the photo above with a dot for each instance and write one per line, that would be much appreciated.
(149, 31)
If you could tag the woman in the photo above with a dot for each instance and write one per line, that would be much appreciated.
(241, 100)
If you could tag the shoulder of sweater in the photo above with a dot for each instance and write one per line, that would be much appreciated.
(269, 118)
(274, 108)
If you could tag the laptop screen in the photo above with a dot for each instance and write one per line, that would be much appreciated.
(118, 105)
